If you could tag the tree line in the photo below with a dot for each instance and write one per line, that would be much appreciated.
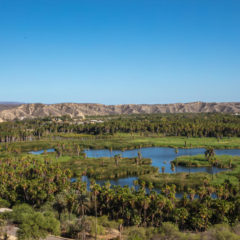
(190, 125)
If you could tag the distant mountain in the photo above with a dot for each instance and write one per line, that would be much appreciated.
(8, 105)
(11, 103)
(11, 111)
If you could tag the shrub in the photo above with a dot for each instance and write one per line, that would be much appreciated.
(4, 203)
(136, 235)
(220, 232)
(34, 225)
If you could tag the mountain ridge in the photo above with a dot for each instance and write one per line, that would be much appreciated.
(38, 110)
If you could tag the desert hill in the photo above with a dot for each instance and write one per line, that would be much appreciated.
(11, 112)
(8, 105)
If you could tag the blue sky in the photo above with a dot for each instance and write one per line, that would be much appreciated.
(119, 51)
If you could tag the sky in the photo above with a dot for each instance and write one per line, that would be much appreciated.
(119, 51)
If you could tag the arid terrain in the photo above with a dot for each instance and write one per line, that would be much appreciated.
(8, 105)
(23, 111)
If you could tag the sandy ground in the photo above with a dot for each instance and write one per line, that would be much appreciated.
(2, 210)
(11, 231)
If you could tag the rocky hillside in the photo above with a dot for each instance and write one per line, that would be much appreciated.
(80, 110)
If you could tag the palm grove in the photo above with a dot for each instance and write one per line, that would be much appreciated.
(190, 125)
(46, 199)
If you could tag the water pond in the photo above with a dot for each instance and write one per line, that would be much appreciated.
(161, 157)
(42, 151)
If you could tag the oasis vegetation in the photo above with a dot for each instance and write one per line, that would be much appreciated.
(157, 176)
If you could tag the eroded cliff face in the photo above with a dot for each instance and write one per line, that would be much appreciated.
(83, 109)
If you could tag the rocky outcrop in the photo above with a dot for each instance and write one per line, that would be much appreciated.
(82, 109)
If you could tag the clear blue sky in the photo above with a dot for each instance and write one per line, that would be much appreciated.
(119, 51)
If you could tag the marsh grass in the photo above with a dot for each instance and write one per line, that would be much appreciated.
(182, 180)
(127, 141)
(106, 168)
(185, 180)
(220, 161)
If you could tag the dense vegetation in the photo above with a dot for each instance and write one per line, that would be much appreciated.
(30, 180)
(189, 125)
(110, 168)
(49, 190)
(45, 198)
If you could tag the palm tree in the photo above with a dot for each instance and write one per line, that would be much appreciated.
(83, 205)
(95, 191)
(78, 149)
(181, 215)
(192, 193)
(139, 157)
(82, 201)
(202, 192)
(145, 205)
(136, 183)
(116, 158)
(209, 153)
(142, 184)
(230, 163)
(60, 204)
(110, 150)
(150, 186)
(210, 156)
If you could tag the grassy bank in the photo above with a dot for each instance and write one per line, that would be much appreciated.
(220, 161)
(194, 180)
(98, 168)
(182, 180)
(106, 168)
(127, 141)
(132, 142)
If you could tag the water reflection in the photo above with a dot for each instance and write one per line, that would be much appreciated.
(162, 157)
(130, 183)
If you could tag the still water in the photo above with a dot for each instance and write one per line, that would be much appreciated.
(42, 151)
(161, 157)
